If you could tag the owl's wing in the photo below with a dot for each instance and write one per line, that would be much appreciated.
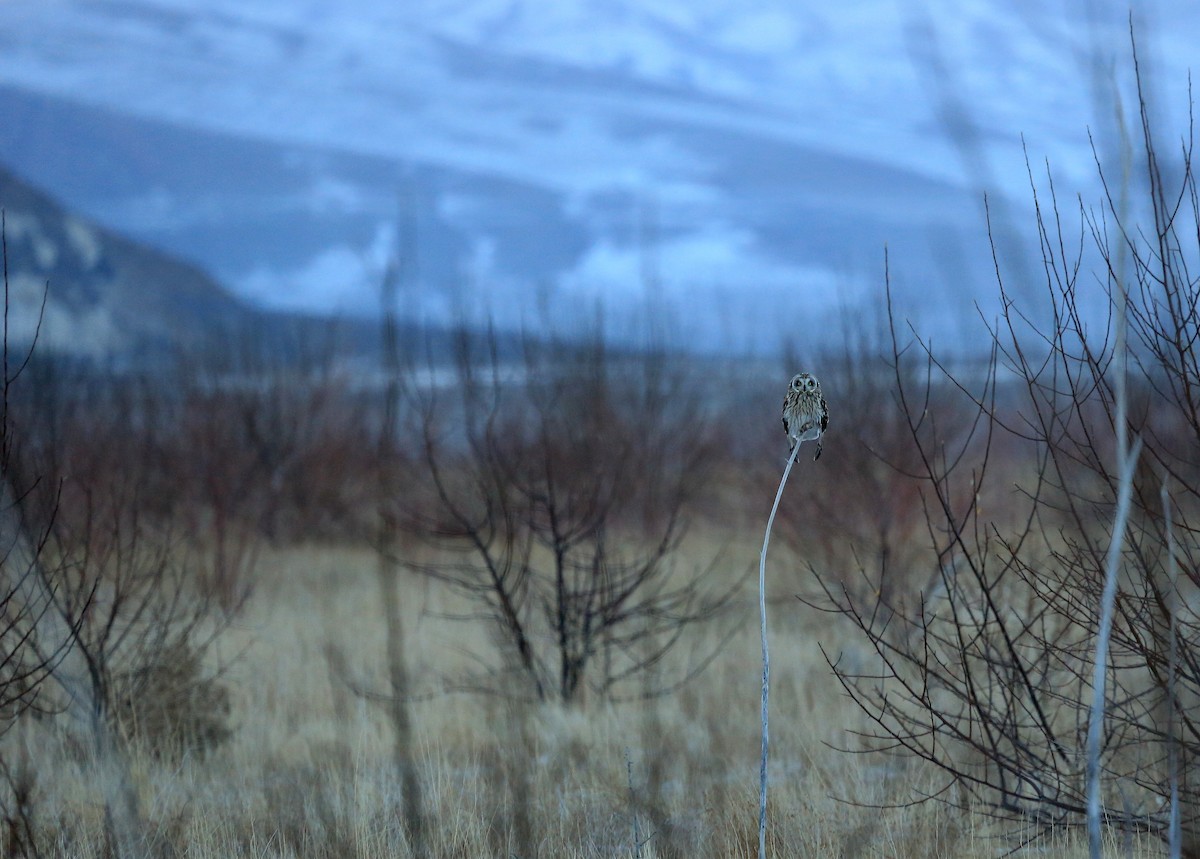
(824, 415)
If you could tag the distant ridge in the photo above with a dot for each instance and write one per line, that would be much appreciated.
(106, 297)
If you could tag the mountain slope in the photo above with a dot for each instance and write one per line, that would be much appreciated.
(104, 295)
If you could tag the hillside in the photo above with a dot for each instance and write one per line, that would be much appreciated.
(105, 296)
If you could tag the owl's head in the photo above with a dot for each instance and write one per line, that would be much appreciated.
(805, 382)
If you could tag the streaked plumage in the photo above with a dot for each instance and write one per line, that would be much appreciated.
(805, 414)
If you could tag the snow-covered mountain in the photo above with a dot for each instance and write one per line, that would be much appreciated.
(740, 165)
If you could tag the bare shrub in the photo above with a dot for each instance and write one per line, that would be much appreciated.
(27, 657)
(47, 633)
(260, 441)
(130, 587)
(141, 623)
(987, 673)
(129, 583)
(30, 648)
(553, 486)
(280, 436)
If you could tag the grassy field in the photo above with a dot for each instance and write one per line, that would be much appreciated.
(315, 760)
(310, 767)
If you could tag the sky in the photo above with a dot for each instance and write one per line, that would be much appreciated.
(737, 167)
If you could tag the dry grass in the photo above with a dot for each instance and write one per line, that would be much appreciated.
(309, 770)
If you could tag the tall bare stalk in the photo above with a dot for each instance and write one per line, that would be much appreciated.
(1104, 633)
(389, 577)
(1126, 462)
(766, 659)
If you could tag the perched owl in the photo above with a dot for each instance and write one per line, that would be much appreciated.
(805, 415)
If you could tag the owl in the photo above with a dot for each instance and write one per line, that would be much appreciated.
(805, 415)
